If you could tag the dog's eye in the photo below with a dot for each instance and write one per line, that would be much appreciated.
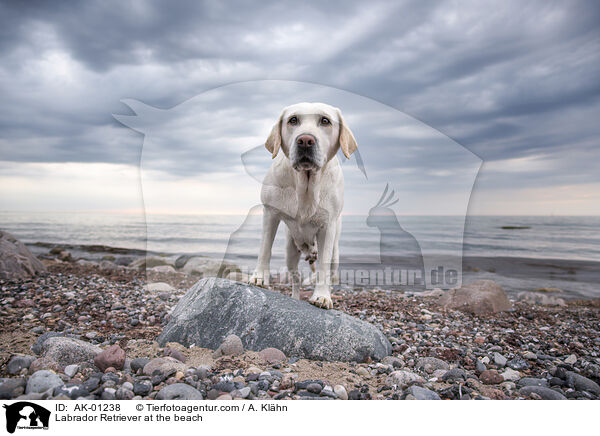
(293, 120)
(325, 121)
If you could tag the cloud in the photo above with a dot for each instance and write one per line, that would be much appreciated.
(511, 83)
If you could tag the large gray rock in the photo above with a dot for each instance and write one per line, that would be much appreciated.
(215, 308)
(479, 298)
(16, 261)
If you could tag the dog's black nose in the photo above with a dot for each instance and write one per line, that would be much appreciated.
(306, 140)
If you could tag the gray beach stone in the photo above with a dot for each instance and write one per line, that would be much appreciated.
(9, 387)
(17, 363)
(215, 308)
(71, 370)
(581, 383)
(532, 381)
(431, 364)
(422, 393)
(179, 391)
(67, 351)
(16, 261)
(404, 378)
(544, 392)
(165, 365)
(43, 380)
(139, 363)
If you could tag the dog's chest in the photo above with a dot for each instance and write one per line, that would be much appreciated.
(304, 234)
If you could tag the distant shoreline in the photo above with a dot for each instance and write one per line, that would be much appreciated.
(577, 278)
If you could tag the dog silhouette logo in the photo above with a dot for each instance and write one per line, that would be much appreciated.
(26, 415)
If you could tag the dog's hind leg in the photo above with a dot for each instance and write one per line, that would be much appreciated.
(292, 257)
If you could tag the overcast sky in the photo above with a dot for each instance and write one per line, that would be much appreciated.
(513, 84)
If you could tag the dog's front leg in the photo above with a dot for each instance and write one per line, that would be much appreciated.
(261, 276)
(321, 296)
(292, 257)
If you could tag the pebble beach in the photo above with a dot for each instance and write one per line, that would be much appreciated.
(105, 315)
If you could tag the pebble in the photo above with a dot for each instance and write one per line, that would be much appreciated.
(571, 360)
(455, 374)
(138, 363)
(164, 365)
(529, 355)
(532, 381)
(510, 374)
(518, 364)
(363, 372)
(327, 391)
(340, 391)
(43, 380)
(272, 355)
(71, 370)
(490, 377)
(231, 346)
(396, 362)
(581, 383)
(12, 387)
(430, 364)
(543, 392)
(17, 363)
(315, 388)
(113, 356)
(142, 388)
(420, 393)
(500, 360)
(404, 378)
(179, 391)
(68, 351)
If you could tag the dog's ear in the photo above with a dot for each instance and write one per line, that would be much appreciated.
(346, 139)
(273, 143)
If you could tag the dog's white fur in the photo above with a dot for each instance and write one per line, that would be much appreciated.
(307, 194)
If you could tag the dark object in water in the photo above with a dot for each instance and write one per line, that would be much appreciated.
(515, 227)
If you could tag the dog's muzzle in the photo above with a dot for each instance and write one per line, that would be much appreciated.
(305, 157)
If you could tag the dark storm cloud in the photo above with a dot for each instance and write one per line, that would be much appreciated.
(509, 80)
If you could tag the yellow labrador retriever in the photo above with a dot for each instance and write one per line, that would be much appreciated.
(305, 189)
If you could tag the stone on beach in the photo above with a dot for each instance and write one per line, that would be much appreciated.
(179, 391)
(404, 378)
(231, 346)
(17, 363)
(478, 298)
(113, 356)
(67, 351)
(272, 355)
(16, 261)
(165, 365)
(544, 392)
(215, 308)
(43, 380)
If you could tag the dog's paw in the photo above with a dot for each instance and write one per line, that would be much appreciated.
(322, 301)
(259, 279)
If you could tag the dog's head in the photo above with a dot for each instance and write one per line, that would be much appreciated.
(310, 134)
